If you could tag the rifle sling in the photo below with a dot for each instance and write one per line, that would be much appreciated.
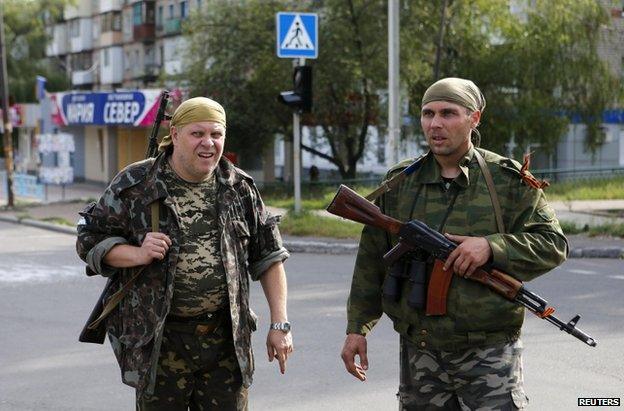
(498, 214)
(121, 293)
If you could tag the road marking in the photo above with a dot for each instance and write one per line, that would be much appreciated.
(617, 277)
(25, 272)
(584, 272)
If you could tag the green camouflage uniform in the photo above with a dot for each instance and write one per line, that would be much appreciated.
(249, 244)
(476, 316)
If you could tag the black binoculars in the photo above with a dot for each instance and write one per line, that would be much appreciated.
(415, 271)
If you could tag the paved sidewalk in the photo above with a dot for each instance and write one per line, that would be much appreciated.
(76, 196)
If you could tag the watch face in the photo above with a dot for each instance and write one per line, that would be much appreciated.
(281, 326)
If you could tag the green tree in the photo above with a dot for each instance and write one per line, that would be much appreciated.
(232, 58)
(533, 68)
(26, 40)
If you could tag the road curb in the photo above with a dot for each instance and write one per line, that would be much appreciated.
(317, 247)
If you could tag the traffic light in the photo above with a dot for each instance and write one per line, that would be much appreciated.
(300, 98)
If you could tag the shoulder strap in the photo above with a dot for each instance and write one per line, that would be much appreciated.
(121, 293)
(394, 181)
(492, 190)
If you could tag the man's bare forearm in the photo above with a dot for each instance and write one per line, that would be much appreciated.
(123, 256)
(275, 289)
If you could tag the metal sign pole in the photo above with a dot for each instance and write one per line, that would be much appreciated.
(394, 97)
(297, 160)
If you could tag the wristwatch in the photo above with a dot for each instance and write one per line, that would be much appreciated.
(283, 327)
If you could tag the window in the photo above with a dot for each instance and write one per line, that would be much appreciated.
(111, 21)
(159, 16)
(183, 13)
(74, 28)
(81, 61)
(171, 11)
(199, 4)
(137, 14)
(105, 57)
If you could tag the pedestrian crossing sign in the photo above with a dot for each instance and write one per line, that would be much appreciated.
(297, 35)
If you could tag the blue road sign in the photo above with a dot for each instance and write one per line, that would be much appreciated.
(297, 35)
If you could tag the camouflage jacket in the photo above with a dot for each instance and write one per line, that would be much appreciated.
(532, 245)
(250, 243)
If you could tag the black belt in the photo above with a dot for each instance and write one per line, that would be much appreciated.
(199, 324)
(201, 318)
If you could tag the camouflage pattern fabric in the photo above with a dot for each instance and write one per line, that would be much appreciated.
(476, 316)
(249, 243)
(199, 285)
(485, 379)
(196, 371)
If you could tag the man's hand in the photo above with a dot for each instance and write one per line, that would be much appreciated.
(154, 247)
(355, 344)
(279, 347)
(470, 254)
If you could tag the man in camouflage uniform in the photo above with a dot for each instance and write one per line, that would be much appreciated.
(469, 358)
(182, 333)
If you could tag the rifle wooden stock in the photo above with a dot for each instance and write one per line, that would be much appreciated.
(500, 282)
(350, 205)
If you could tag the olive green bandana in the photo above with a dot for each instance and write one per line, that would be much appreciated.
(456, 90)
(459, 91)
(194, 110)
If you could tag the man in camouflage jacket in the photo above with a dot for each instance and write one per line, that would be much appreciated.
(469, 358)
(247, 241)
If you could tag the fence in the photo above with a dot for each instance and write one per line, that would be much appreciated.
(280, 188)
(559, 174)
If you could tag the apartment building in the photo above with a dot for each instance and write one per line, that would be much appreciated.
(116, 54)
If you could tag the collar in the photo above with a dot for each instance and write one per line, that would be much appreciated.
(430, 172)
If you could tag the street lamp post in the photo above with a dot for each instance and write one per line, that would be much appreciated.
(6, 118)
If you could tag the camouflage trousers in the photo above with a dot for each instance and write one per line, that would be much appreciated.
(484, 378)
(196, 371)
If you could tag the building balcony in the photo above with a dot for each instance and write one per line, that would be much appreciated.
(173, 26)
(110, 5)
(83, 77)
(144, 32)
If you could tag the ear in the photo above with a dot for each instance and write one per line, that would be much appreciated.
(475, 118)
(173, 131)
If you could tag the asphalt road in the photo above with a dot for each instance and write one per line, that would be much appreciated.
(45, 298)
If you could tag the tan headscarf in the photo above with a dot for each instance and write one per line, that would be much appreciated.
(192, 111)
(456, 90)
(460, 91)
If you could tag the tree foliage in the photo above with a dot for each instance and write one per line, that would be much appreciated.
(536, 68)
(25, 42)
(232, 58)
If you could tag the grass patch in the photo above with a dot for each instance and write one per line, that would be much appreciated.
(612, 230)
(307, 224)
(315, 199)
(58, 220)
(594, 189)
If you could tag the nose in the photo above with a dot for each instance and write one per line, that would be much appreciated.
(208, 142)
(436, 121)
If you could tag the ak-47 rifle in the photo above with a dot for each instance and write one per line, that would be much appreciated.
(416, 235)
(152, 147)
(94, 330)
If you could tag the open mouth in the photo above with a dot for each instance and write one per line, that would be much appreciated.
(206, 155)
